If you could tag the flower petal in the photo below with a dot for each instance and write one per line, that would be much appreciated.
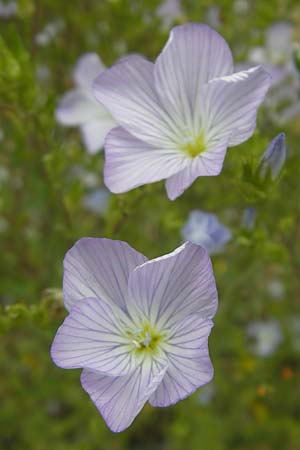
(127, 91)
(92, 336)
(76, 108)
(189, 362)
(119, 400)
(130, 162)
(94, 132)
(88, 67)
(169, 288)
(229, 105)
(99, 268)
(193, 55)
(209, 163)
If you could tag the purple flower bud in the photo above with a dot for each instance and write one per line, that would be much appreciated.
(274, 157)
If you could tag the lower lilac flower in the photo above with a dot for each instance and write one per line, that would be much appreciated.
(79, 108)
(138, 328)
(178, 116)
(206, 230)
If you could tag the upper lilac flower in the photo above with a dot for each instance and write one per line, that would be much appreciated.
(274, 157)
(78, 107)
(138, 328)
(178, 116)
(205, 229)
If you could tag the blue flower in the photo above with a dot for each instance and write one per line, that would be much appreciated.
(205, 229)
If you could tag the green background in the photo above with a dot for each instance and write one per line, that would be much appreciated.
(256, 401)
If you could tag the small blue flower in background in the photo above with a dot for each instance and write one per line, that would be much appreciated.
(97, 201)
(205, 229)
(266, 337)
(274, 157)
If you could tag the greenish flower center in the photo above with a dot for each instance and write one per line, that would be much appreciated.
(145, 338)
(195, 147)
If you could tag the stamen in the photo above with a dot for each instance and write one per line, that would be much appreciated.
(194, 147)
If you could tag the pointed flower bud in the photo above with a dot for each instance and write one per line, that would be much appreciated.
(274, 157)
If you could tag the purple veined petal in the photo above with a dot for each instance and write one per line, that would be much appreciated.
(193, 55)
(94, 132)
(76, 108)
(209, 163)
(229, 105)
(94, 337)
(127, 91)
(120, 399)
(169, 288)
(99, 268)
(189, 363)
(87, 68)
(130, 162)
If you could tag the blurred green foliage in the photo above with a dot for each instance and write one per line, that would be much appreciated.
(256, 401)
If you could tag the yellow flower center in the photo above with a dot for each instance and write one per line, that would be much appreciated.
(195, 147)
(145, 338)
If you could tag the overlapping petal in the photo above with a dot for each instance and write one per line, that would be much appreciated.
(127, 90)
(229, 105)
(99, 268)
(189, 365)
(94, 132)
(92, 336)
(169, 288)
(193, 55)
(209, 163)
(120, 399)
(130, 162)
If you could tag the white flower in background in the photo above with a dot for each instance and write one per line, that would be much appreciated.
(169, 10)
(8, 10)
(49, 33)
(97, 201)
(265, 336)
(205, 229)
(276, 289)
(277, 58)
(79, 108)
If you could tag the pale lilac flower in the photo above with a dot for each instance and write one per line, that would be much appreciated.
(265, 336)
(138, 328)
(206, 230)
(178, 116)
(79, 108)
(274, 157)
